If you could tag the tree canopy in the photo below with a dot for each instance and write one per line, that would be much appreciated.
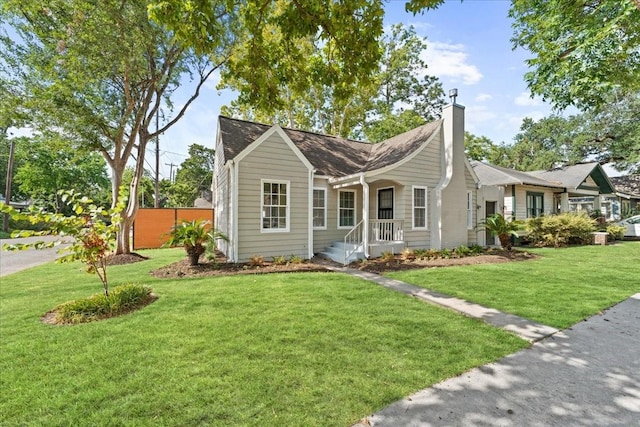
(585, 53)
(399, 96)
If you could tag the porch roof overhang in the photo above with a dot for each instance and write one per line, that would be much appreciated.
(347, 180)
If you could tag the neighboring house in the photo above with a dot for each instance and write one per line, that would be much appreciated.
(513, 194)
(531, 194)
(281, 191)
(586, 186)
(628, 193)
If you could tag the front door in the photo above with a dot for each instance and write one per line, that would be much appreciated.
(490, 209)
(385, 203)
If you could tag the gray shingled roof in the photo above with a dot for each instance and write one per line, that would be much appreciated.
(574, 175)
(495, 175)
(329, 155)
(629, 184)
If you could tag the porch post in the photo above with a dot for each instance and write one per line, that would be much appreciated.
(365, 215)
(564, 202)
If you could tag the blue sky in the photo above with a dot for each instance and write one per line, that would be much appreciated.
(469, 49)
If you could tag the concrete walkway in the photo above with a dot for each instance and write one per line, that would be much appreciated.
(587, 375)
(526, 329)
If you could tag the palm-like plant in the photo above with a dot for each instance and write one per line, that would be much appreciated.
(194, 236)
(504, 229)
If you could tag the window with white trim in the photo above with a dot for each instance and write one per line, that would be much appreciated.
(535, 204)
(275, 205)
(346, 208)
(320, 208)
(419, 207)
(469, 210)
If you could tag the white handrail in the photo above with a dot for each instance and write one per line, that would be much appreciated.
(353, 240)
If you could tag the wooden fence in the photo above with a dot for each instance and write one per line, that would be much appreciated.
(152, 225)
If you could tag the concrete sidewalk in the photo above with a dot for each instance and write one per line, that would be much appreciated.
(587, 375)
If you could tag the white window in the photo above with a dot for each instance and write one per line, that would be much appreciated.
(346, 208)
(419, 208)
(275, 205)
(469, 210)
(320, 208)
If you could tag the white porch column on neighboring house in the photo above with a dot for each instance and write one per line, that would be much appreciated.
(596, 203)
(564, 202)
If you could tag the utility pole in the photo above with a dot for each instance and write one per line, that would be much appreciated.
(171, 165)
(156, 203)
(7, 192)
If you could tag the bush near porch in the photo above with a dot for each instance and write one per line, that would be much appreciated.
(561, 230)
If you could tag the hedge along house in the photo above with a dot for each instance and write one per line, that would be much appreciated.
(281, 191)
(522, 195)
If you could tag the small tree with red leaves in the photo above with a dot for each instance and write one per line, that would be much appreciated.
(90, 232)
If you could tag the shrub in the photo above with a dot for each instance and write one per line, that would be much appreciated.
(388, 256)
(408, 254)
(432, 254)
(295, 259)
(462, 251)
(445, 253)
(501, 227)
(420, 253)
(561, 230)
(121, 299)
(279, 260)
(195, 236)
(256, 261)
(476, 249)
(616, 232)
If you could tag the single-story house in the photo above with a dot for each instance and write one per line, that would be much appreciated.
(628, 194)
(531, 194)
(280, 191)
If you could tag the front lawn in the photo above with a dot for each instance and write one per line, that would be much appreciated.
(559, 289)
(283, 349)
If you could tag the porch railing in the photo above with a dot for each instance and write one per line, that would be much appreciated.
(353, 240)
(386, 230)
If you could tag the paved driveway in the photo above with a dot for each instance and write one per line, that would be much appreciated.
(10, 262)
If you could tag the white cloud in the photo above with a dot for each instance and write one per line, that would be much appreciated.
(450, 60)
(483, 97)
(525, 100)
(478, 119)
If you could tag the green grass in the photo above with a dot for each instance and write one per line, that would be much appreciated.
(283, 349)
(561, 288)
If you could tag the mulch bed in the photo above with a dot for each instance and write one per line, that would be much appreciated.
(492, 256)
(182, 269)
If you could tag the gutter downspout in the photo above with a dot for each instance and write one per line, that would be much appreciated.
(365, 215)
(310, 215)
(233, 238)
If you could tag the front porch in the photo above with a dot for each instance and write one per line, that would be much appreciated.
(370, 241)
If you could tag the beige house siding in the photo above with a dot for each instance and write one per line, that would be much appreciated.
(221, 196)
(472, 234)
(423, 170)
(521, 199)
(272, 160)
(324, 238)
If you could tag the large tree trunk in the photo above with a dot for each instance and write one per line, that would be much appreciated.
(128, 215)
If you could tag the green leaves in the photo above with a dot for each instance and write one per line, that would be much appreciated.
(93, 237)
(584, 53)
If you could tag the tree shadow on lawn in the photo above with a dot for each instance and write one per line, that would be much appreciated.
(586, 375)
